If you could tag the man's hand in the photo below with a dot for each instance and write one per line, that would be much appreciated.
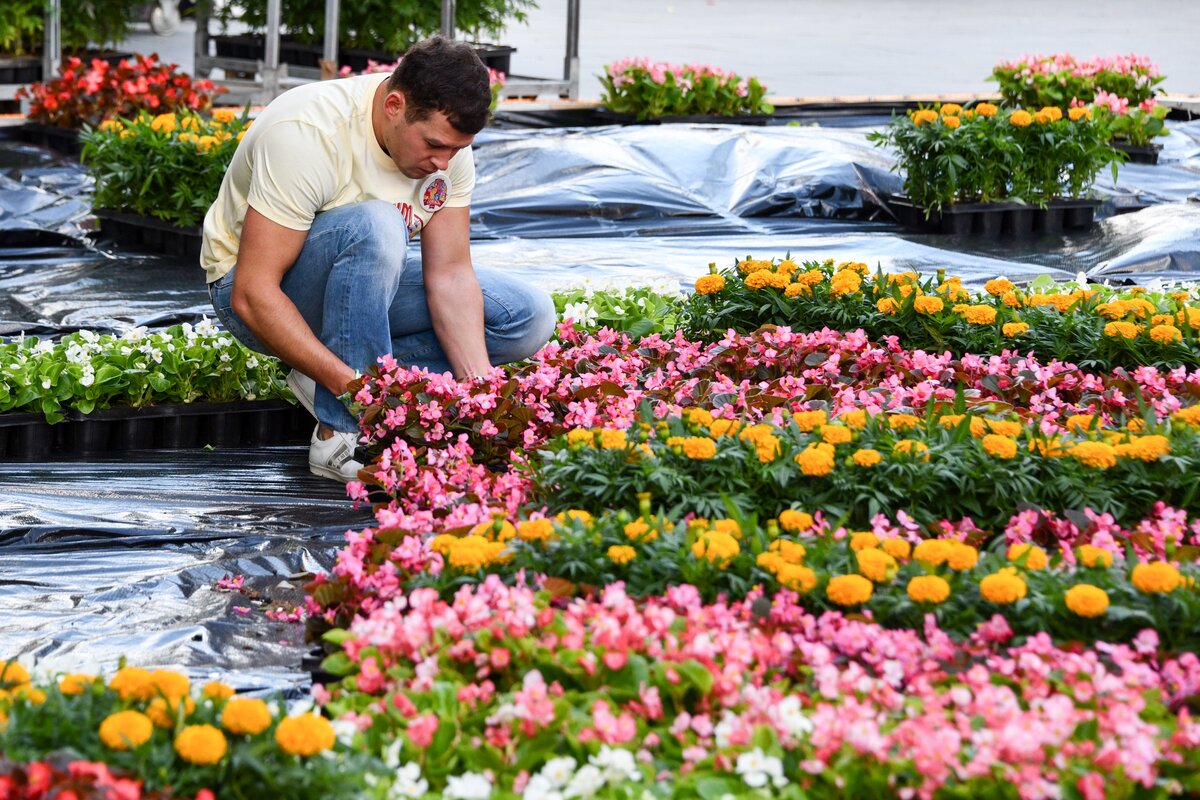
(452, 291)
(267, 251)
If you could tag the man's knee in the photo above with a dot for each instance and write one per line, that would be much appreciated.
(527, 327)
(379, 229)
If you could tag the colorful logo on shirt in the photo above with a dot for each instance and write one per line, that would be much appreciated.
(435, 191)
(411, 220)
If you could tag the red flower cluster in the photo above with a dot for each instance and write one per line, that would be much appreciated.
(77, 780)
(88, 94)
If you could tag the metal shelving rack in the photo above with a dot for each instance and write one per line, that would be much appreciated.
(268, 77)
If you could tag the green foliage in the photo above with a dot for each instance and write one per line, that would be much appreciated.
(1136, 126)
(389, 25)
(1061, 80)
(992, 155)
(637, 311)
(86, 371)
(165, 167)
(85, 24)
(648, 90)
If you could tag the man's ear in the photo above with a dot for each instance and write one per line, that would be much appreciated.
(394, 103)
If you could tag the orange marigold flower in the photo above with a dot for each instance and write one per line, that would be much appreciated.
(887, 305)
(997, 446)
(1078, 113)
(710, 284)
(951, 122)
(1155, 577)
(896, 548)
(849, 590)
(797, 290)
(836, 434)
(621, 554)
(911, 447)
(863, 540)
(998, 286)
(924, 116)
(699, 448)
(932, 589)
(796, 577)
(1014, 329)
(985, 110)
(928, 305)
(794, 521)
(808, 421)
(1166, 334)
(950, 109)
(1035, 557)
(724, 427)
(1003, 587)
(932, 552)
(980, 315)
(866, 457)
(1097, 455)
(875, 564)
(1086, 600)
(961, 557)
(126, 730)
(1091, 556)
(1020, 118)
(816, 460)
(855, 418)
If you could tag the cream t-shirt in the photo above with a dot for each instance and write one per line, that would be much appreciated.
(311, 150)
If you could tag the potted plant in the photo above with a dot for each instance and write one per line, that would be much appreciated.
(985, 169)
(645, 90)
(376, 30)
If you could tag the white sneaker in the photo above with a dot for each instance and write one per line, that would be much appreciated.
(334, 457)
(305, 389)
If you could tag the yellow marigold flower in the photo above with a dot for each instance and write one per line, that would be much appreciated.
(611, 439)
(126, 730)
(621, 554)
(903, 422)
(1078, 113)
(796, 577)
(809, 421)
(1155, 577)
(1080, 423)
(12, 674)
(583, 436)
(1189, 316)
(924, 116)
(927, 304)
(863, 540)
(1148, 448)
(729, 526)
(164, 123)
(1004, 427)
(794, 521)
(797, 290)
(442, 543)
(1002, 447)
(217, 691)
(1188, 416)
(949, 421)
(1121, 330)
(875, 564)
(845, 282)
(246, 716)
(810, 278)
(206, 143)
(961, 557)
(1097, 455)
(132, 683)
(836, 434)
(304, 735)
(699, 448)
(887, 305)
(1020, 118)
(786, 266)
(911, 447)
(716, 548)
(640, 531)
(758, 280)
(1162, 319)
(755, 433)
(710, 284)
(1091, 556)
(1166, 334)
(573, 515)
(980, 315)
(855, 418)
(497, 529)
(76, 683)
(791, 552)
(985, 110)
(189, 122)
(1086, 600)
(535, 530)
(1111, 310)
(224, 115)
(770, 561)
(724, 427)
(951, 122)
(932, 552)
(1035, 557)
(1011, 299)
(1041, 118)
(849, 590)
(816, 460)
(950, 109)
(998, 286)
(472, 553)
(201, 744)
(897, 548)
(866, 457)
(1003, 587)
(751, 265)
(111, 126)
(163, 712)
(698, 416)
(928, 589)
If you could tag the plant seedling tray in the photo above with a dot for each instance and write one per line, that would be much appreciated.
(993, 220)
(616, 118)
(1140, 154)
(167, 427)
(148, 234)
(20, 69)
(52, 137)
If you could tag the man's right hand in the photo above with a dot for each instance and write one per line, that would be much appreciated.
(267, 251)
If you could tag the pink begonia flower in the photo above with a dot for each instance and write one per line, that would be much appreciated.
(422, 729)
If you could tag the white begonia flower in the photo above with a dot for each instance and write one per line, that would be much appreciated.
(344, 730)
(586, 782)
(468, 786)
(205, 327)
(156, 355)
(86, 379)
(789, 713)
(126, 351)
(408, 783)
(542, 788)
(559, 771)
(1081, 279)
(724, 728)
(618, 765)
(134, 334)
(251, 362)
(224, 357)
(582, 313)
(91, 337)
(46, 384)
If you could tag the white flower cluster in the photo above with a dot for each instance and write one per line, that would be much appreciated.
(758, 769)
(559, 780)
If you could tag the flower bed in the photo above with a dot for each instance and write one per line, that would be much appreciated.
(648, 90)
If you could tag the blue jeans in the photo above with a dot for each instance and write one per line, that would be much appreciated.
(356, 289)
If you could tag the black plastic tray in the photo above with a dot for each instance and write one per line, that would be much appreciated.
(148, 234)
(165, 427)
(20, 69)
(1140, 154)
(63, 140)
(992, 220)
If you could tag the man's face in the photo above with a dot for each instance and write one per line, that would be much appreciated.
(422, 147)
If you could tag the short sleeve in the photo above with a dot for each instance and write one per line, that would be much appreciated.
(294, 173)
(462, 178)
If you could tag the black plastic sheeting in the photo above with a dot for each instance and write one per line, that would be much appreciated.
(103, 557)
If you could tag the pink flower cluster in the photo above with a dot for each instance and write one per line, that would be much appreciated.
(839, 693)
(1131, 64)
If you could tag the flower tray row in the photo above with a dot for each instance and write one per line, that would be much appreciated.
(148, 234)
(253, 48)
(62, 140)
(607, 117)
(992, 220)
(27, 69)
(1140, 154)
(28, 436)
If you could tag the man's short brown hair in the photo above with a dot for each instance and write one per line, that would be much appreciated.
(437, 74)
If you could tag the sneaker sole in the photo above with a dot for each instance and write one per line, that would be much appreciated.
(331, 474)
(300, 398)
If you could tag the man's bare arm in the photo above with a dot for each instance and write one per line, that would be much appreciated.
(452, 291)
(267, 251)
